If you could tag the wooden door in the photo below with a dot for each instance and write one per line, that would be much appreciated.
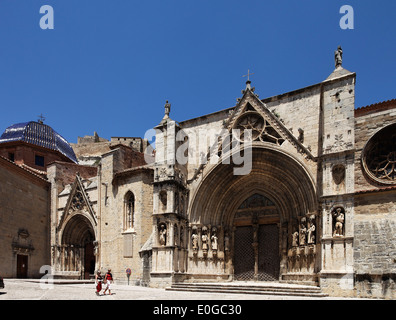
(22, 266)
(89, 261)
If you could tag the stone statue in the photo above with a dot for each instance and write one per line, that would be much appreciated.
(194, 240)
(205, 240)
(311, 229)
(226, 242)
(303, 231)
(167, 109)
(295, 239)
(339, 218)
(338, 57)
(214, 239)
(162, 235)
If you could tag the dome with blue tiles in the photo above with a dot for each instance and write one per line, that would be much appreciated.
(39, 134)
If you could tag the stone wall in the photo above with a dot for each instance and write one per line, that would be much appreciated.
(367, 124)
(375, 258)
(375, 212)
(24, 220)
(120, 246)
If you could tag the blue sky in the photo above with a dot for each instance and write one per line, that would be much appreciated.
(109, 66)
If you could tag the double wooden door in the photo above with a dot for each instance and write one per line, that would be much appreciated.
(256, 252)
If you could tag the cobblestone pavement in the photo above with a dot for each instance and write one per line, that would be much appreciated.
(18, 289)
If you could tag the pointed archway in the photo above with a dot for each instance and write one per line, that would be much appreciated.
(78, 247)
(76, 251)
(278, 178)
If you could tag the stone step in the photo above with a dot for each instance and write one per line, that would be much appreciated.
(253, 288)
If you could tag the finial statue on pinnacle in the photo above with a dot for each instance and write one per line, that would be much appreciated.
(338, 57)
(167, 109)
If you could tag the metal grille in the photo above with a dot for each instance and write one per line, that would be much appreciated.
(244, 254)
(268, 251)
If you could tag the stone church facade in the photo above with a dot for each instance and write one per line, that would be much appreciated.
(299, 187)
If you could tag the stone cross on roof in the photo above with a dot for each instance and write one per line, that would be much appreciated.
(248, 75)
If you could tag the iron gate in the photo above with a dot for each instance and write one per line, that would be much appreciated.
(244, 254)
(266, 255)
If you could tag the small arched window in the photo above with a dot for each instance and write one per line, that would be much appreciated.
(129, 214)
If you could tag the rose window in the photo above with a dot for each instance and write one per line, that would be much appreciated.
(379, 156)
(259, 128)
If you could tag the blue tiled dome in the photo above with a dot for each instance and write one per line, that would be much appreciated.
(38, 134)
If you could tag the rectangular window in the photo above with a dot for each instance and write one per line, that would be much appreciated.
(39, 161)
(11, 156)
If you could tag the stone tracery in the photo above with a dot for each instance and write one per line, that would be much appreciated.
(379, 156)
(260, 129)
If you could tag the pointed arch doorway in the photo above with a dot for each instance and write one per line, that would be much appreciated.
(77, 256)
(265, 208)
(256, 240)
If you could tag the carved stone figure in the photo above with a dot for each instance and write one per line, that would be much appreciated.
(226, 242)
(96, 248)
(194, 240)
(167, 109)
(311, 229)
(303, 231)
(301, 135)
(339, 218)
(214, 239)
(205, 240)
(338, 57)
(295, 239)
(162, 234)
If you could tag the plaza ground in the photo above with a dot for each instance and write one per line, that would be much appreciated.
(26, 289)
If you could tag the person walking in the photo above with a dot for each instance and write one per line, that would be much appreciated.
(108, 279)
(98, 282)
